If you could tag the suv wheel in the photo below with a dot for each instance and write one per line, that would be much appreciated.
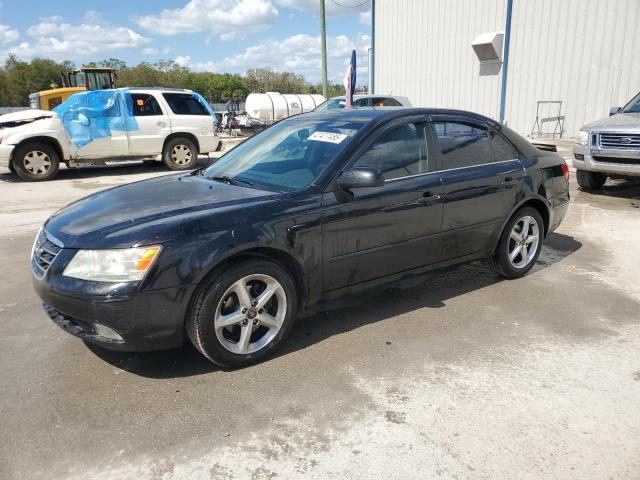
(180, 154)
(243, 313)
(35, 162)
(519, 245)
(590, 180)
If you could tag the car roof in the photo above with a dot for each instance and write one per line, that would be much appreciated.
(342, 97)
(157, 89)
(365, 114)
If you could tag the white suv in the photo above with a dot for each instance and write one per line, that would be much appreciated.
(106, 125)
(609, 147)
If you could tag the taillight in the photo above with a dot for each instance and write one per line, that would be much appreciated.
(565, 171)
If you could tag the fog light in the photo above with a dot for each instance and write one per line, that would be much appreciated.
(107, 332)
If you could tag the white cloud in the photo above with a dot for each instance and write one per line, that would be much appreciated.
(53, 38)
(341, 7)
(365, 17)
(183, 60)
(8, 34)
(298, 53)
(150, 51)
(226, 18)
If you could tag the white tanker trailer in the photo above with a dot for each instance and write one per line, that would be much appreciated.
(270, 107)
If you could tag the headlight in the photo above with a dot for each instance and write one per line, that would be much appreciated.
(118, 265)
(582, 138)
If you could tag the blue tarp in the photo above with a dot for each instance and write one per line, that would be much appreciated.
(87, 116)
(206, 105)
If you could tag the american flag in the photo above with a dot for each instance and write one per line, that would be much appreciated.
(350, 81)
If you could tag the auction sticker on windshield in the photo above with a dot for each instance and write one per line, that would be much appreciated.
(330, 137)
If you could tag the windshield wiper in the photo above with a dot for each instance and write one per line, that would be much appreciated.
(230, 180)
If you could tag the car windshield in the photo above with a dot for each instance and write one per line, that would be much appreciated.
(287, 156)
(331, 104)
(633, 106)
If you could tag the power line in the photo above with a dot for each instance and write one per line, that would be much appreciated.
(349, 6)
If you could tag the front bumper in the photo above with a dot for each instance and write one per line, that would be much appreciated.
(151, 320)
(616, 162)
(5, 156)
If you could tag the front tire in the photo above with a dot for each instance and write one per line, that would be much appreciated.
(590, 180)
(180, 154)
(35, 162)
(243, 313)
(519, 245)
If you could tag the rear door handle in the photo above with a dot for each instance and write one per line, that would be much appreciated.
(428, 198)
(162, 124)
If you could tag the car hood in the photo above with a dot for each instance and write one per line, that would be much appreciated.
(15, 119)
(620, 122)
(146, 211)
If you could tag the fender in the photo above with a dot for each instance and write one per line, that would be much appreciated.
(47, 130)
(536, 197)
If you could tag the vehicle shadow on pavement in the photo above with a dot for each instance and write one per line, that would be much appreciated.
(616, 189)
(430, 290)
(132, 168)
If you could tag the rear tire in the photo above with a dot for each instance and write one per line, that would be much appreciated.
(180, 153)
(590, 180)
(35, 162)
(235, 329)
(519, 245)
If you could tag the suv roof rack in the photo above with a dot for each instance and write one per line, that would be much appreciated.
(159, 88)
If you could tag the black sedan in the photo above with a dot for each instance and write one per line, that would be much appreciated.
(311, 208)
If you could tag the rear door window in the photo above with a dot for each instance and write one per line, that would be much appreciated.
(185, 104)
(145, 105)
(386, 102)
(462, 144)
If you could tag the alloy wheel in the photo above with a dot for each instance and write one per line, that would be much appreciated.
(37, 162)
(523, 241)
(181, 155)
(250, 314)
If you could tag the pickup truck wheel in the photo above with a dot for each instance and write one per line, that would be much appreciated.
(35, 162)
(590, 180)
(180, 154)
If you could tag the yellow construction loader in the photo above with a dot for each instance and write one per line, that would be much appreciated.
(78, 80)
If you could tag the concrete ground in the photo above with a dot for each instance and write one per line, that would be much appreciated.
(453, 375)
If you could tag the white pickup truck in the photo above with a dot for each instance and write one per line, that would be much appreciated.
(132, 123)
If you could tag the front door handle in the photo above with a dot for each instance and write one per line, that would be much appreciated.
(508, 181)
(429, 198)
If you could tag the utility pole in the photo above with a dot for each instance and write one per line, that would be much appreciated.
(323, 46)
(505, 60)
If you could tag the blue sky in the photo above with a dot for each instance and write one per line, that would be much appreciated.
(215, 35)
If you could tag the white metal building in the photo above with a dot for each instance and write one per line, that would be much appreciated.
(585, 53)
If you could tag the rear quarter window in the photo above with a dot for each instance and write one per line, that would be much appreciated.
(502, 149)
(185, 104)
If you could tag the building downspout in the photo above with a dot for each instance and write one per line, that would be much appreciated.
(372, 56)
(505, 61)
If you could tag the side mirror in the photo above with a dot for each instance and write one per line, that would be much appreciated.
(360, 177)
(82, 120)
(614, 110)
